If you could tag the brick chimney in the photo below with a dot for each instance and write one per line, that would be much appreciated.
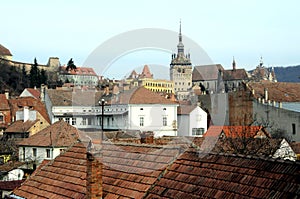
(7, 94)
(94, 176)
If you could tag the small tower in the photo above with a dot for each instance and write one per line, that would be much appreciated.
(233, 64)
(181, 70)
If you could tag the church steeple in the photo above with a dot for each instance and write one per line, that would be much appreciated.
(233, 64)
(180, 46)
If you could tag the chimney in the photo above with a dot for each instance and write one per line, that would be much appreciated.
(94, 176)
(7, 94)
(280, 104)
(266, 94)
(43, 90)
(26, 113)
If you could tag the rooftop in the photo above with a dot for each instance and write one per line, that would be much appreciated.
(59, 134)
(4, 51)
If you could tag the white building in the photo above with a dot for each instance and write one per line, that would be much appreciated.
(192, 120)
(135, 109)
(81, 76)
(47, 143)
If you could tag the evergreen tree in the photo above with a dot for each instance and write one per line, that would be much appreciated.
(43, 77)
(34, 75)
(71, 65)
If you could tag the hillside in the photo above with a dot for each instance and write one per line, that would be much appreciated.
(288, 74)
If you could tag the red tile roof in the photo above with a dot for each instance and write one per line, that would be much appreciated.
(195, 175)
(277, 91)
(4, 51)
(141, 95)
(139, 171)
(3, 102)
(20, 126)
(79, 71)
(146, 72)
(59, 134)
(10, 166)
(237, 74)
(35, 104)
(237, 131)
(34, 92)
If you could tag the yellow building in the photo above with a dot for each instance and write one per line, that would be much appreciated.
(146, 79)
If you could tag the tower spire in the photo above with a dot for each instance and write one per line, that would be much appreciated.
(180, 35)
(180, 46)
(233, 64)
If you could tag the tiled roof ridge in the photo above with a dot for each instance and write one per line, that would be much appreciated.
(250, 157)
(154, 146)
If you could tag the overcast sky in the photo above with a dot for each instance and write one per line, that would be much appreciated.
(73, 29)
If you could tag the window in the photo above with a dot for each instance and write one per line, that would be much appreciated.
(141, 109)
(164, 121)
(1, 118)
(34, 152)
(294, 129)
(67, 119)
(47, 153)
(84, 121)
(197, 131)
(141, 121)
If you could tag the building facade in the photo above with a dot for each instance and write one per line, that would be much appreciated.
(181, 71)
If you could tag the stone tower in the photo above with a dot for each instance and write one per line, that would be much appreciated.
(181, 71)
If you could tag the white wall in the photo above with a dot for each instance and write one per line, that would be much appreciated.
(15, 174)
(41, 153)
(153, 118)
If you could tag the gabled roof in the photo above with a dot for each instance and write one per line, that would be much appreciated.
(34, 92)
(146, 72)
(206, 72)
(74, 98)
(4, 102)
(277, 91)
(4, 51)
(237, 131)
(59, 134)
(140, 95)
(35, 104)
(144, 171)
(128, 171)
(79, 71)
(20, 126)
(237, 74)
(195, 175)
(185, 109)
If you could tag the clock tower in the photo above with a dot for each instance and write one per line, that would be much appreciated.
(181, 71)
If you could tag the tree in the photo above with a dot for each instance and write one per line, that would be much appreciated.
(34, 75)
(44, 77)
(71, 65)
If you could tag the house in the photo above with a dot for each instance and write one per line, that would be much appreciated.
(77, 107)
(5, 114)
(147, 171)
(144, 110)
(5, 53)
(135, 109)
(192, 120)
(31, 92)
(261, 73)
(22, 129)
(11, 171)
(81, 76)
(47, 143)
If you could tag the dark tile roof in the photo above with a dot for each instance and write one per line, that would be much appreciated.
(185, 109)
(194, 175)
(74, 97)
(3, 102)
(207, 72)
(237, 74)
(4, 51)
(10, 185)
(10, 166)
(59, 134)
(35, 104)
(20, 126)
(296, 147)
(277, 91)
(79, 71)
